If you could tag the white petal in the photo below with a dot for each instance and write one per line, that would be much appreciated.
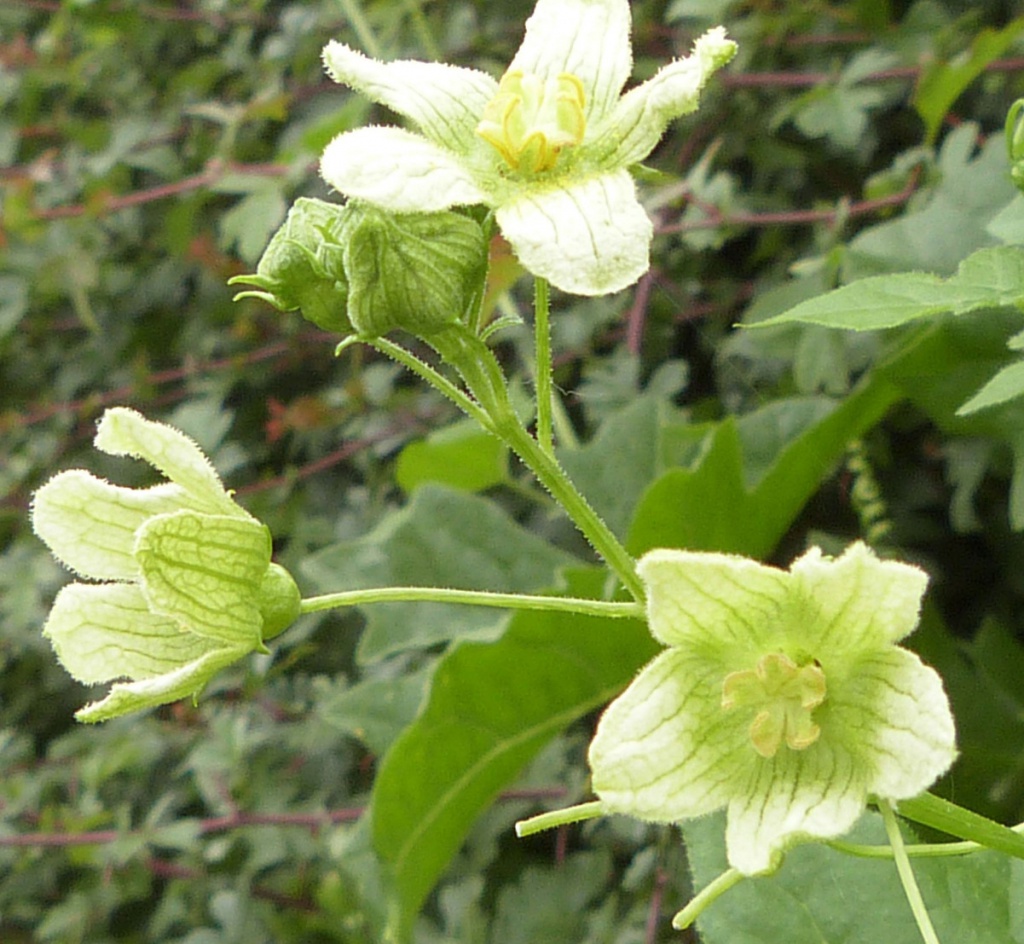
(860, 602)
(399, 171)
(641, 116)
(894, 712)
(183, 682)
(591, 237)
(445, 102)
(714, 600)
(589, 38)
(102, 632)
(816, 793)
(123, 432)
(90, 525)
(665, 750)
(205, 572)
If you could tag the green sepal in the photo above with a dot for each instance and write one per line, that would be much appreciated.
(278, 601)
(416, 271)
(302, 266)
(205, 572)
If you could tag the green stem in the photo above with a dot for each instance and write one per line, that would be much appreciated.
(361, 26)
(555, 479)
(906, 873)
(571, 814)
(437, 380)
(485, 380)
(937, 813)
(542, 369)
(419, 22)
(708, 894)
(925, 850)
(509, 601)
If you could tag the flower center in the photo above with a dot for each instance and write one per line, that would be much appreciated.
(784, 695)
(531, 119)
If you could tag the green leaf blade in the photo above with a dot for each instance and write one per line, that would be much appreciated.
(490, 709)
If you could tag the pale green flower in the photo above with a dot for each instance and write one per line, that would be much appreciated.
(782, 697)
(548, 147)
(187, 587)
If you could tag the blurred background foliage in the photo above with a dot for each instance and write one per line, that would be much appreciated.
(148, 150)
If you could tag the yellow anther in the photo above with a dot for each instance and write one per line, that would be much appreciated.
(784, 695)
(531, 120)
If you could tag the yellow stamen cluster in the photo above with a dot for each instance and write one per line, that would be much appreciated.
(531, 120)
(784, 695)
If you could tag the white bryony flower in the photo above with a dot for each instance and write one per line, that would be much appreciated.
(187, 587)
(548, 147)
(782, 697)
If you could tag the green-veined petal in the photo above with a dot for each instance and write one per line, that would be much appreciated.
(665, 750)
(445, 102)
(819, 792)
(714, 601)
(205, 571)
(89, 524)
(186, 681)
(590, 237)
(639, 119)
(123, 432)
(861, 602)
(102, 632)
(398, 171)
(588, 38)
(893, 711)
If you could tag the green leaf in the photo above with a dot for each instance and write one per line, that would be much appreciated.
(491, 709)
(990, 278)
(945, 225)
(550, 903)
(1008, 224)
(376, 710)
(442, 538)
(763, 469)
(821, 896)
(615, 467)
(13, 302)
(941, 84)
(250, 222)
(1005, 385)
(462, 456)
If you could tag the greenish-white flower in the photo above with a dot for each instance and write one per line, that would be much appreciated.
(548, 147)
(782, 696)
(184, 581)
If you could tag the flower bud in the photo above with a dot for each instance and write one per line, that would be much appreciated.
(302, 266)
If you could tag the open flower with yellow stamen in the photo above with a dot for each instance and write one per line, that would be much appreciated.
(548, 147)
(782, 697)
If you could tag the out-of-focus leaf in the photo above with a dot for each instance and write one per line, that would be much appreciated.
(13, 302)
(462, 456)
(763, 469)
(442, 538)
(614, 468)
(990, 278)
(1007, 384)
(943, 82)
(375, 710)
(946, 225)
